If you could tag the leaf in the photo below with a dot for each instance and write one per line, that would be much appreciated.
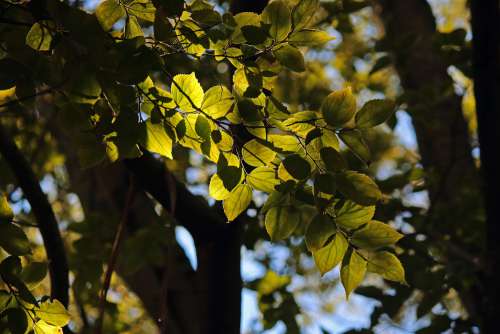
(6, 214)
(187, 92)
(320, 229)
(353, 271)
(39, 37)
(374, 112)
(329, 256)
(53, 313)
(17, 320)
(108, 12)
(13, 240)
(387, 265)
(358, 187)
(132, 28)
(374, 235)
(230, 176)
(33, 274)
(256, 154)
(202, 127)
(216, 188)
(277, 15)
(310, 37)
(356, 143)
(237, 201)
(263, 179)
(41, 327)
(339, 107)
(249, 111)
(281, 221)
(217, 101)
(324, 183)
(290, 57)
(303, 12)
(351, 215)
(254, 35)
(297, 167)
(155, 139)
(332, 159)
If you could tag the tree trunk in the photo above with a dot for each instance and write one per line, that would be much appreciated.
(441, 129)
(486, 43)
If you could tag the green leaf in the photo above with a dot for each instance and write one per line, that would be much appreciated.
(374, 235)
(249, 111)
(353, 271)
(132, 28)
(263, 179)
(33, 274)
(332, 159)
(142, 9)
(374, 112)
(243, 19)
(354, 140)
(290, 57)
(202, 127)
(256, 154)
(41, 327)
(387, 265)
(217, 101)
(17, 320)
(216, 188)
(329, 256)
(108, 12)
(281, 221)
(277, 15)
(297, 167)
(187, 92)
(324, 183)
(6, 214)
(254, 35)
(339, 107)
(358, 187)
(310, 37)
(351, 215)
(53, 313)
(303, 12)
(40, 36)
(237, 201)
(155, 139)
(319, 231)
(230, 176)
(13, 240)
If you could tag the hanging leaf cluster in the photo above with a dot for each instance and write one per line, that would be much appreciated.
(113, 81)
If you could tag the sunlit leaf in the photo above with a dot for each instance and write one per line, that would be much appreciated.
(237, 201)
(375, 234)
(387, 265)
(108, 12)
(329, 256)
(256, 154)
(263, 179)
(155, 139)
(374, 112)
(277, 15)
(339, 107)
(281, 221)
(358, 187)
(53, 313)
(187, 92)
(303, 12)
(13, 240)
(290, 57)
(39, 37)
(353, 271)
(320, 229)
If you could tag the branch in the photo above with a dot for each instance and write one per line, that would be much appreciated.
(114, 256)
(193, 212)
(44, 215)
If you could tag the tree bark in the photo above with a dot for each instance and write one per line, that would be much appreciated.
(486, 71)
(441, 129)
(46, 220)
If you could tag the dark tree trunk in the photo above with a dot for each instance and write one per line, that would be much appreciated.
(486, 43)
(442, 134)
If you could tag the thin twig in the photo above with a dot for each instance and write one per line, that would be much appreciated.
(114, 255)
